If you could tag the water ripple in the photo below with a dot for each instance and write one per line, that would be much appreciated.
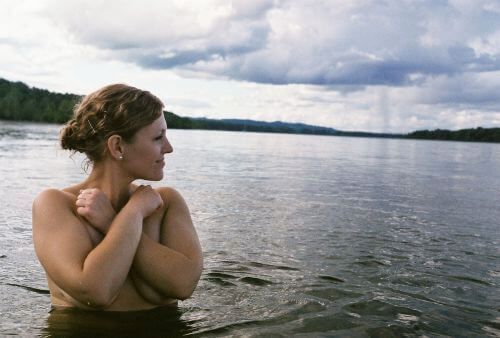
(302, 235)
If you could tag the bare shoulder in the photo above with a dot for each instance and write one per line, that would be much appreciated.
(57, 232)
(177, 213)
(170, 196)
(52, 209)
(52, 198)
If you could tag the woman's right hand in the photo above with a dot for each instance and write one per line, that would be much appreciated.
(145, 200)
(96, 208)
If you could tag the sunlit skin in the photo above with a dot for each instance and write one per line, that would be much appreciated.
(108, 244)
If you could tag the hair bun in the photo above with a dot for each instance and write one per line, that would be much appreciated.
(69, 139)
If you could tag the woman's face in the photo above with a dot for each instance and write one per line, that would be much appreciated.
(144, 157)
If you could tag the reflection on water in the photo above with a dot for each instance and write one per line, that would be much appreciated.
(302, 235)
(159, 322)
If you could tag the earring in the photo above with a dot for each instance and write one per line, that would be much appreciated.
(120, 157)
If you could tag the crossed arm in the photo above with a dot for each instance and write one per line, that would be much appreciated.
(169, 261)
(165, 262)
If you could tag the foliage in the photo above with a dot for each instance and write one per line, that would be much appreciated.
(477, 135)
(19, 102)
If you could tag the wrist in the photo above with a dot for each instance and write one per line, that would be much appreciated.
(133, 210)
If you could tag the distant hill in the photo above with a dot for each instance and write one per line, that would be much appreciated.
(260, 126)
(19, 102)
(293, 127)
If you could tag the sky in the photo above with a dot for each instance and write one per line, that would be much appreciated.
(362, 65)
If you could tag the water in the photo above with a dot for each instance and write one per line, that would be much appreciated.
(302, 236)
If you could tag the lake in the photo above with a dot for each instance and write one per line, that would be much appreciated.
(302, 235)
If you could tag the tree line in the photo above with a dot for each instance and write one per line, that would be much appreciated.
(18, 102)
(473, 135)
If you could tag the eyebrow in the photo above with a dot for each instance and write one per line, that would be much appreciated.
(161, 132)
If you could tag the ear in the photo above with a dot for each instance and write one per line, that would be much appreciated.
(115, 147)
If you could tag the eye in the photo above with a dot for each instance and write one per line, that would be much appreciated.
(160, 137)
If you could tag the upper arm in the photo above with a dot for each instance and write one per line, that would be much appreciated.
(61, 241)
(178, 231)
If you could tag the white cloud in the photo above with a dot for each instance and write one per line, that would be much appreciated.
(314, 42)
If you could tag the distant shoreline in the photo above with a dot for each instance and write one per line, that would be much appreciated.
(19, 102)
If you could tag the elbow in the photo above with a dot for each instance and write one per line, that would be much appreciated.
(186, 289)
(185, 292)
(181, 289)
(98, 299)
(99, 303)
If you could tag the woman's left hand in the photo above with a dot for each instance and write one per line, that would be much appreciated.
(96, 208)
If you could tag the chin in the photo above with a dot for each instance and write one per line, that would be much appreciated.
(150, 175)
(157, 177)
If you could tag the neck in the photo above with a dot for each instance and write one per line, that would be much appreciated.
(107, 177)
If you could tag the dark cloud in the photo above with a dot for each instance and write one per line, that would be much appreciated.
(175, 59)
(462, 91)
(346, 71)
(333, 44)
(172, 58)
(391, 53)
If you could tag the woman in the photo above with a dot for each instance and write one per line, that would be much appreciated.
(106, 243)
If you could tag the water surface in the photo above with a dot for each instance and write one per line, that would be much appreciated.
(302, 235)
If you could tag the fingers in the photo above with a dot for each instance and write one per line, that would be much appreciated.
(144, 187)
(146, 200)
(82, 211)
(86, 197)
(87, 192)
(82, 197)
(81, 202)
(84, 194)
(82, 205)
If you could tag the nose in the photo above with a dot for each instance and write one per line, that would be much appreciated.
(167, 147)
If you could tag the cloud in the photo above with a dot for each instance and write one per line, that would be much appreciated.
(161, 34)
(355, 65)
(189, 102)
(463, 91)
(280, 42)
